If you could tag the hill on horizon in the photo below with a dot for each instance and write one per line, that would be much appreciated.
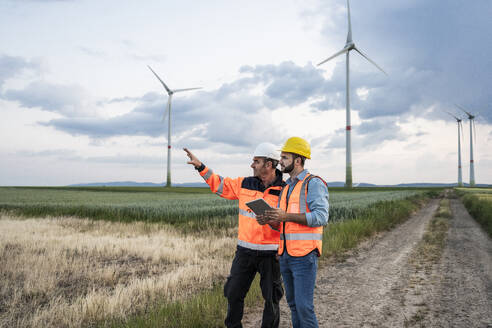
(203, 184)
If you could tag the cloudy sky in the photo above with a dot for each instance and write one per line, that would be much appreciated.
(78, 103)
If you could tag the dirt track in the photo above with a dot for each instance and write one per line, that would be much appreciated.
(378, 286)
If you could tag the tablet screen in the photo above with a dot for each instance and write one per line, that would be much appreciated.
(259, 206)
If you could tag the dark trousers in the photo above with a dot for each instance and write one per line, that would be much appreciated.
(244, 268)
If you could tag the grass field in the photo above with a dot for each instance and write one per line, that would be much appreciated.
(478, 202)
(137, 265)
(184, 208)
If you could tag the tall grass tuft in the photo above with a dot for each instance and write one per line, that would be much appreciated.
(207, 309)
(480, 207)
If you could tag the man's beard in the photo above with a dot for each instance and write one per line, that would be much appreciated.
(288, 168)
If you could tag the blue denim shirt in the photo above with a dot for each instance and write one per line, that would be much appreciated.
(317, 199)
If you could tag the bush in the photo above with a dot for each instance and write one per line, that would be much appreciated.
(481, 209)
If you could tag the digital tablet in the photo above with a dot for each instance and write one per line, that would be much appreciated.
(259, 206)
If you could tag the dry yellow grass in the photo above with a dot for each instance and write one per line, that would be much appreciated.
(485, 196)
(70, 272)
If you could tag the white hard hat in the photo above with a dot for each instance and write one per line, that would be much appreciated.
(268, 150)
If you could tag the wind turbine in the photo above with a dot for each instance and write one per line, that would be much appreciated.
(458, 120)
(168, 112)
(472, 127)
(349, 45)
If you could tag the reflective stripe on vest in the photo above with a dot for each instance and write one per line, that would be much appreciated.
(302, 197)
(221, 186)
(247, 213)
(258, 247)
(207, 175)
(302, 236)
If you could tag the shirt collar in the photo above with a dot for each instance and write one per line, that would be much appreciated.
(300, 176)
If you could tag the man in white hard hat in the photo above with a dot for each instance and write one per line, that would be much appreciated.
(257, 244)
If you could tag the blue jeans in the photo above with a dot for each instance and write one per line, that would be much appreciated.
(299, 275)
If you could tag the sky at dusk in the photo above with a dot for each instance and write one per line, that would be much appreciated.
(78, 103)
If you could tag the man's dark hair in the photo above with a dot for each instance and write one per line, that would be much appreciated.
(271, 160)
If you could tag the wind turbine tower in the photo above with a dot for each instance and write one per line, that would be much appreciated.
(460, 179)
(168, 113)
(349, 45)
(472, 164)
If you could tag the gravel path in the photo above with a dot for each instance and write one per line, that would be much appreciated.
(463, 294)
(378, 285)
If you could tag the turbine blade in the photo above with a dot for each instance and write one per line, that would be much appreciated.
(457, 119)
(344, 50)
(179, 90)
(157, 76)
(369, 59)
(349, 34)
(168, 108)
(469, 115)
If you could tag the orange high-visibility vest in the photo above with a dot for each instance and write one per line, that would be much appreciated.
(250, 234)
(298, 239)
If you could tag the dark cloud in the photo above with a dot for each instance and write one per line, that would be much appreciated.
(148, 97)
(436, 54)
(289, 84)
(336, 141)
(143, 121)
(68, 100)
(71, 155)
(128, 160)
(231, 114)
(46, 1)
(369, 134)
(11, 66)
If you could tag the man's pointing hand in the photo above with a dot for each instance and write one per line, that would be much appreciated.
(193, 159)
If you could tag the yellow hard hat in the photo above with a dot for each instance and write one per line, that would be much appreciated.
(298, 146)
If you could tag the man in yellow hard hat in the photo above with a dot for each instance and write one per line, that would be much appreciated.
(301, 214)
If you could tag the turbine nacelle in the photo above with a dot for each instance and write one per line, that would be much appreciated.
(349, 46)
(470, 116)
(455, 117)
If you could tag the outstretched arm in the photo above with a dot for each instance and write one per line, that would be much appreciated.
(223, 187)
